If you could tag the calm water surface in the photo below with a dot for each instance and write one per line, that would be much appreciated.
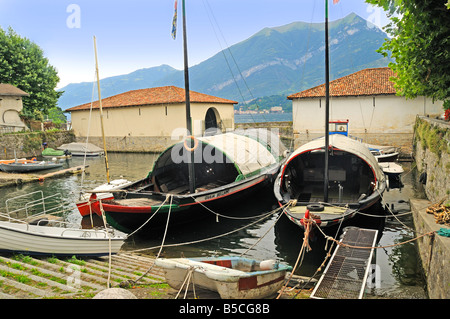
(398, 268)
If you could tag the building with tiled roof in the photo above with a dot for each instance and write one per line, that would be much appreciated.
(150, 119)
(367, 82)
(369, 101)
(10, 108)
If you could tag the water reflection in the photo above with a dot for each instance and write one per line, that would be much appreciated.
(399, 268)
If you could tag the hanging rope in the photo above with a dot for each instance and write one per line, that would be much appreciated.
(145, 223)
(162, 243)
(187, 279)
(308, 222)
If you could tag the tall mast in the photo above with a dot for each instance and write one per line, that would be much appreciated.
(327, 106)
(188, 106)
(101, 111)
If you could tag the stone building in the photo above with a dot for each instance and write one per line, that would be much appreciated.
(149, 120)
(10, 108)
(369, 101)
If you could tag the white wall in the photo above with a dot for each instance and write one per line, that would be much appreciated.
(377, 114)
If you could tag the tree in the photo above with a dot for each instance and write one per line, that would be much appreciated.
(22, 64)
(419, 43)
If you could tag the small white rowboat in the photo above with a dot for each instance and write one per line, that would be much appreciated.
(49, 240)
(231, 277)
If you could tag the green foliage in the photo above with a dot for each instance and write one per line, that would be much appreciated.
(432, 137)
(266, 102)
(420, 38)
(22, 64)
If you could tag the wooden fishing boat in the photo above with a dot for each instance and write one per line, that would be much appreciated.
(230, 277)
(22, 237)
(227, 168)
(355, 181)
(26, 167)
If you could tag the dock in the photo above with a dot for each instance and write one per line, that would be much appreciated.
(346, 273)
(12, 179)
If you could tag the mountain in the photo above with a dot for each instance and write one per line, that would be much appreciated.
(275, 61)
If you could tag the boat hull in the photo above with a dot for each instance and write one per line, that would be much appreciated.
(184, 209)
(29, 167)
(42, 240)
(230, 277)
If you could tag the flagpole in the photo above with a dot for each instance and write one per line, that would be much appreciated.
(327, 107)
(188, 105)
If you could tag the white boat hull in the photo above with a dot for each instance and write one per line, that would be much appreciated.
(32, 239)
(227, 282)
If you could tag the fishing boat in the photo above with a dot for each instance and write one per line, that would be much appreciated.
(227, 168)
(82, 149)
(329, 179)
(231, 277)
(22, 237)
(196, 175)
(355, 181)
(26, 167)
(33, 224)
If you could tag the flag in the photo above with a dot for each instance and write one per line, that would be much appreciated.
(174, 22)
(335, 1)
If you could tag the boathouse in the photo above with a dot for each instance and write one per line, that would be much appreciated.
(10, 108)
(369, 100)
(149, 120)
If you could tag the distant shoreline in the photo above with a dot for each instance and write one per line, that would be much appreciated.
(264, 117)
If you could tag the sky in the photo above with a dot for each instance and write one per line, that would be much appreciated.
(136, 34)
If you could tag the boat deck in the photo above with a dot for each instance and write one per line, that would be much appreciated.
(347, 271)
(332, 211)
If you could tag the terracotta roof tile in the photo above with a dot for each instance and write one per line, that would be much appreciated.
(365, 82)
(152, 96)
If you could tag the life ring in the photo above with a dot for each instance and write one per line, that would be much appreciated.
(190, 149)
(315, 207)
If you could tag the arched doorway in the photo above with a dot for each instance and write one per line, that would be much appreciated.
(212, 120)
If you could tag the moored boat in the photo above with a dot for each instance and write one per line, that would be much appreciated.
(227, 168)
(26, 167)
(230, 277)
(82, 149)
(356, 181)
(21, 237)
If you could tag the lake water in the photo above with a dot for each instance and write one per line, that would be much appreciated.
(267, 117)
(398, 268)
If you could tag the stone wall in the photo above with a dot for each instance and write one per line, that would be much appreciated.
(284, 130)
(432, 156)
(434, 251)
(29, 144)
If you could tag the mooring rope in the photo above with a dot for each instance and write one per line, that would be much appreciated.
(162, 243)
(213, 237)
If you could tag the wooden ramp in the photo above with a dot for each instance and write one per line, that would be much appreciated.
(347, 271)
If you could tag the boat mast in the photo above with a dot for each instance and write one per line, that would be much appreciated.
(188, 106)
(327, 106)
(101, 111)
